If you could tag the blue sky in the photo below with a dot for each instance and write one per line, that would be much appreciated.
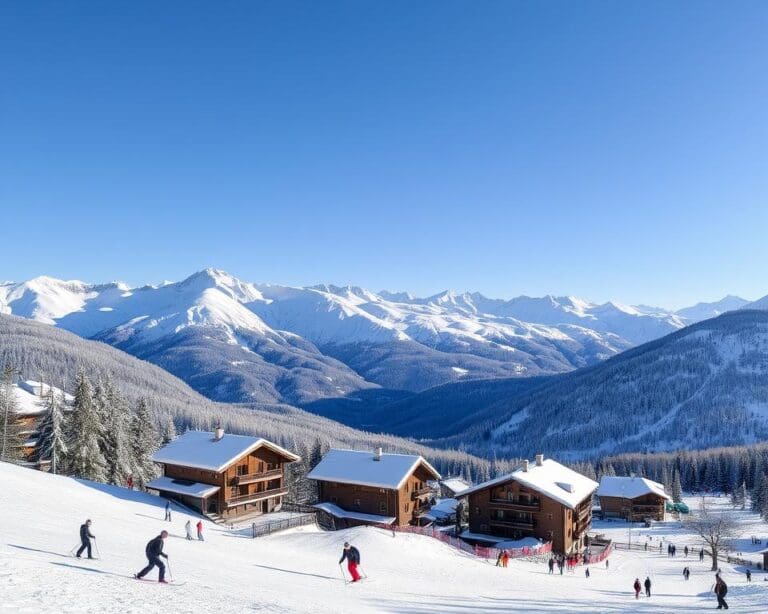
(603, 149)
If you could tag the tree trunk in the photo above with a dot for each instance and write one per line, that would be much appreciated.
(714, 559)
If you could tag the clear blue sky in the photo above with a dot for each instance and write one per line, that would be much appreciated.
(604, 149)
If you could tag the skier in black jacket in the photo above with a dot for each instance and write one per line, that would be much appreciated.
(154, 551)
(85, 539)
(352, 555)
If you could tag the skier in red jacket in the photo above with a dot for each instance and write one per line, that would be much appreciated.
(200, 530)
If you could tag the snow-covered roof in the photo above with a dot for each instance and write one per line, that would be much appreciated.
(337, 512)
(551, 479)
(183, 487)
(456, 485)
(29, 402)
(443, 508)
(629, 487)
(356, 467)
(201, 450)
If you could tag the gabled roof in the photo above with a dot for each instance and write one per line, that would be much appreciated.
(457, 485)
(356, 467)
(629, 487)
(200, 450)
(551, 479)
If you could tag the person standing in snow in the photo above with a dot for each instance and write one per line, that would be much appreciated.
(154, 551)
(498, 559)
(168, 511)
(352, 555)
(637, 588)
(721, 590)
(85, 539)
(749, 575)
(701, 555)
(551, 565)
(504, 558)
(586, 572)
(200, 530)
(129, 482)
(188, 529)
(607, 564)
(686, 573)
(647, 586)
(686, 551)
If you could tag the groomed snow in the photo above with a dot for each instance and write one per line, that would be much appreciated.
(357, 467)
(627, 487)
(298, 572)
(199, 449)
(551, 479)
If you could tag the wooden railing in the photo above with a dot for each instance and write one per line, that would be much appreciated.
(249, 478)
(256, 496)
(515, 503)
(420, 492)
(514, 522)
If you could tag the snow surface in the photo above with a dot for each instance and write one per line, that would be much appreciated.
(298, 572)
(551, 479)
(627, 487)
(28, 399)
(201, 450)
(356, 467)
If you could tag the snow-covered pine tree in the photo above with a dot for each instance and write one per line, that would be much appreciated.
(759, 492)
(145, 441)
(11, 438)
(117, 444)
(86, 432)
(677, 488)
(51, 441)
(743, 495)
(169, 431)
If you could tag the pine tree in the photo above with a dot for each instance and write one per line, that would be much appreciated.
(743, 495)
(117, 444)
(11, 437)
(169, 432)
(677, 489)
(51, 442)
(86, 433)
(145, 441)
(759, 492)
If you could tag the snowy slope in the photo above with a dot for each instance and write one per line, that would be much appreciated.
(294, 572)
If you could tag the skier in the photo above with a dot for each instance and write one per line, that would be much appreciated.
(154, 551)
(647, 586)
(637, 588)
(749, 575)
(586, 572)
(504, 558)
(561, 564)
(85, 539)
(686, 551)
(200, 530)
(188, 529)
(606, 564)
(352, 555)
(721, 590)
(129, 482)
(551, 565)
(701, 555)
(168, 511)
(686, 573)
(498, 559)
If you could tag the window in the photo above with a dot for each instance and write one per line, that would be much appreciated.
(549, 516)
(382, 491)
(383, 507)
(242, 469)
(357, 502)
(407, 507)
(477, 511)
(261, 466)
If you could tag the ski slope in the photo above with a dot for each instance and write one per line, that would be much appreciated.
(295, 571)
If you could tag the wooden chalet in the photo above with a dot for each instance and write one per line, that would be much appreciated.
(223, 475)
(543, 499)
(632, 498)
(373, 487)
(31, 409)
(450, 488)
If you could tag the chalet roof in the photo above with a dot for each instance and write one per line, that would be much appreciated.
(357, 467)
(28, 399)
(337, 512)
(183, 487)
(551, 479)
(199, 449)
(629, 487)
(456, 485)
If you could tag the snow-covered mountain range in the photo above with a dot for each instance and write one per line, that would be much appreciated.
(239, 341)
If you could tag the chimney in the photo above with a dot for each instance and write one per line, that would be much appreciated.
(539, 460)
(525, 465)
(377, 454)
(218, 434)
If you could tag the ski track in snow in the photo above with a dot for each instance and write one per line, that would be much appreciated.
(298, 571)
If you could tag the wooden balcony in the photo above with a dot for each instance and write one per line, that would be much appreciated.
(420, 511)
(515, 504)
(421, 492)
(256, 496)
(518, 523)
(250, 478)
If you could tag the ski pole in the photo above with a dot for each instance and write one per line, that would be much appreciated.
(74, 548)
(341, 571)
(365, 575)
(170, 573)
(98, 554)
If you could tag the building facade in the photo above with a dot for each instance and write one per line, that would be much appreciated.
(632, 498)
(373, 488)
(543, 499)
(223, 475)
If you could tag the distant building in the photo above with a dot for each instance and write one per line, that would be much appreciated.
(373, 487)
(223, 475)
(31, 404)
(543, 499)
(451, 488)
(631, 498)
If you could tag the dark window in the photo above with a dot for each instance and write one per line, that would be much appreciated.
(383, 506)
(357, 502)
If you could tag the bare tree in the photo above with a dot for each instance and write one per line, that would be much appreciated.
(717, 528)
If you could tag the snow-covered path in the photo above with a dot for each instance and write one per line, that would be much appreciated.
(296, 571)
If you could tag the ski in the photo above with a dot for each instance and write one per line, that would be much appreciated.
(169, 582)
